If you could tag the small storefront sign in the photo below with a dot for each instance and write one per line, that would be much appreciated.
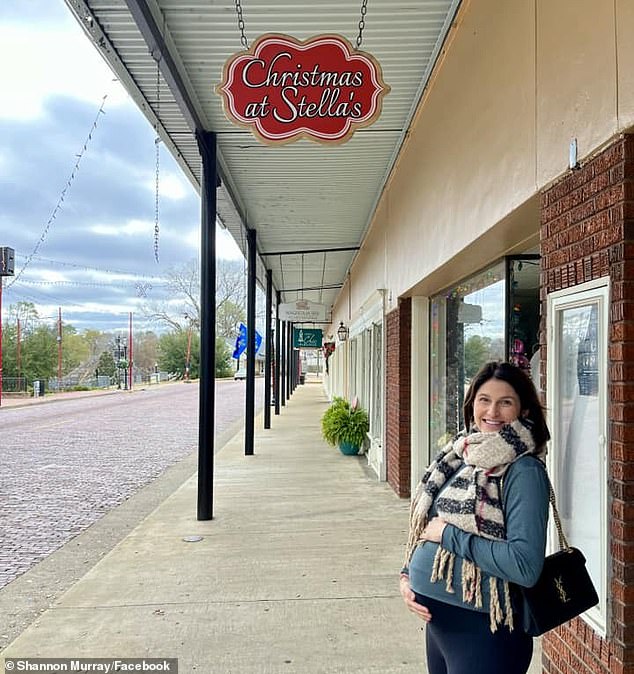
(284, 89)
(307, 338)
(302, 311)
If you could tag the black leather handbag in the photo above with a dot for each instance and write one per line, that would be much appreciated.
(564, 589)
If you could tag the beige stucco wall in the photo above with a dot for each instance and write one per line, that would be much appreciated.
(576, 80)
(518, 80)
(625, 62)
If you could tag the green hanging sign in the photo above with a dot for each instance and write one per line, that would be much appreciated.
(307, 338)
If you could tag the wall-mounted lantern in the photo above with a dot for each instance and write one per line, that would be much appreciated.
(342, 332)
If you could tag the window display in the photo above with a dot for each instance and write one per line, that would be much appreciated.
(523, 312)
(493, 315)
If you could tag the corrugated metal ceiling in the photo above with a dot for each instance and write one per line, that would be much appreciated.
(298, 196)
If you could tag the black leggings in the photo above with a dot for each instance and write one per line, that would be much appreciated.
(459, 641)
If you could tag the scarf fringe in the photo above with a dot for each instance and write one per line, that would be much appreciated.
(499, 616)
(495, 610)
(471, 582)
(508, 607)
(443, 568)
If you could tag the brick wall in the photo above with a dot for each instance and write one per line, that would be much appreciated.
(587, 232)
(397, 396)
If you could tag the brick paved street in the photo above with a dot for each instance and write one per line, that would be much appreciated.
(66, 464)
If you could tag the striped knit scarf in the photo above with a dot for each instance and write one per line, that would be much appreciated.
(472, 502)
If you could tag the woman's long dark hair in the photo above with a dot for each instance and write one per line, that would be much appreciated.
(522, 385)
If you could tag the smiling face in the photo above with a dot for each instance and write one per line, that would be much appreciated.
(496, 403)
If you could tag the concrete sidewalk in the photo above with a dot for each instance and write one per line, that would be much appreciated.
(296, 573)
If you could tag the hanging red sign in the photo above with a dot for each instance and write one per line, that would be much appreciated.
(285, 89)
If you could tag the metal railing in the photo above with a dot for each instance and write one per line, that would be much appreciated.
(14, 385)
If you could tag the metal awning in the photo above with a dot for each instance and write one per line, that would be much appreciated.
(302, 196)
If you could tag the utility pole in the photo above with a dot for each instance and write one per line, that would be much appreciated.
(19, 354)
(59, 349)
(189, 348)
(1, 283)
(130, 351)
(7, 259)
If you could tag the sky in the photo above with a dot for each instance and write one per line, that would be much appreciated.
(83, 237)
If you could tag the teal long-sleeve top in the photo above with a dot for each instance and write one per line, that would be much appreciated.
(518, 559)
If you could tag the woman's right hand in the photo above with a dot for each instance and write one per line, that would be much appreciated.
(410, 600)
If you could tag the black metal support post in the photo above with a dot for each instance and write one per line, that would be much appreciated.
(278, 360)
(289, 358)
(269, 348)
(292, 372)
(207, 404)
(249, 413)
(283, 354)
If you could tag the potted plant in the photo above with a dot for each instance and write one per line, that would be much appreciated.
(345, 424)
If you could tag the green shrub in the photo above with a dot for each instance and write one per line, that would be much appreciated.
(332, 419)
(343, 423)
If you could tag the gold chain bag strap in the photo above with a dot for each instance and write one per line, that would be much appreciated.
(564, 589)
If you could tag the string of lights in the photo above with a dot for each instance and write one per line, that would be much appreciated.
(62, 196)
(89, 268)
(95, 284)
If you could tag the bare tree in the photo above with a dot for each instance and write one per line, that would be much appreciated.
(182, 310)
(183, 305)
(231, 298)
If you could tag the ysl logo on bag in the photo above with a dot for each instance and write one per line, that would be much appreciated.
(561, 590)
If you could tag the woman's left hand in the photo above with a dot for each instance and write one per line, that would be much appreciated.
(433, 530)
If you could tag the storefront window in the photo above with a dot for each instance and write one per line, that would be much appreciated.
(523, 313)
(578, 413)
(493, 315)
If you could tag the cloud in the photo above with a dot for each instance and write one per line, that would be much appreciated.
(95, 254)
(129, 228)
(171, 186)
(42, 41)
(106, 197)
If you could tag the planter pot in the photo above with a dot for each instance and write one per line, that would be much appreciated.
(348, 449)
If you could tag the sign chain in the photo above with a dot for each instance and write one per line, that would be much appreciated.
(245, 43)
(364, 10)
(243, 37)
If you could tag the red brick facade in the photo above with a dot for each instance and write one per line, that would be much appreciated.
(397, 396)
(587, 232)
